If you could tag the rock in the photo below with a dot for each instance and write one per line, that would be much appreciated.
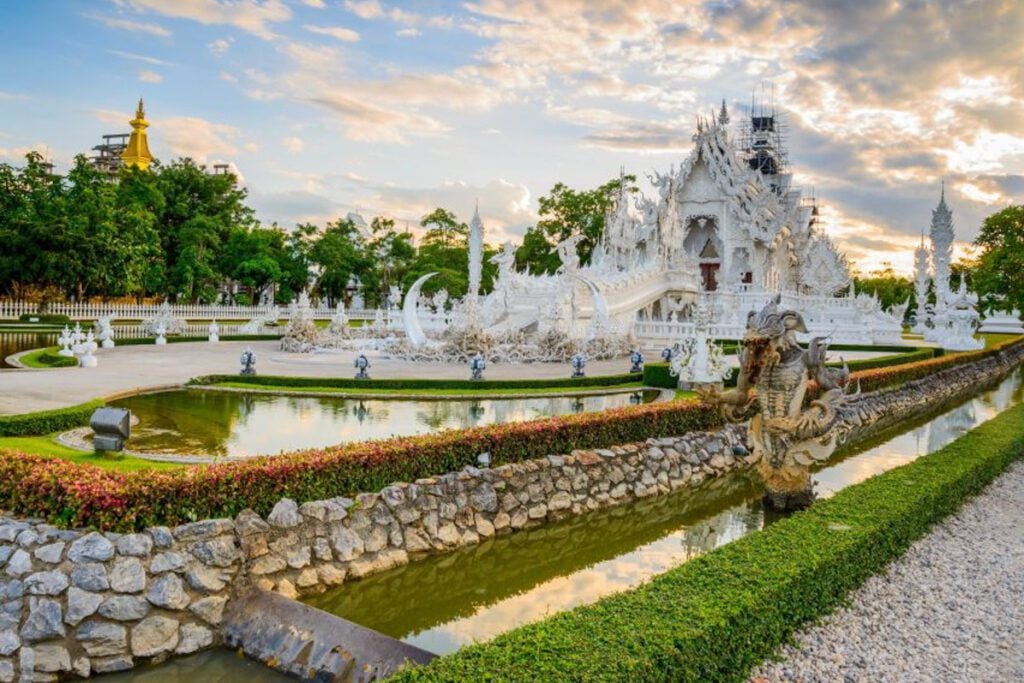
(167, 562)
(81, 604)
(5, 553)
(393, 496)
(538, 511)
(9, 590)
(162, 536)
(168, 591)
(102, 638)
(50, 659)
(307, 578)
(124, 607)
(298, 558)
(501, 521)
(416, 541)
(154, 635)
(6, 671)
(208, 528)
(336, 508)
(10, 614)
(208, 579)
(218, 552)
(109, 665)
(285, 514)
(560, 501)
(90, 576)
(346, 543)
(322, 550)
(331, 575)
(484, 527)
(519, 518)
(93, 546)
(194, 637)
(50, 553)
(268, 564)
(374, 538)
(9, 642)
(46, 583)
(81, 667)
(19, 564)
(134, 545)
(379, 562)
(287, 589)
(45, 621)
(127, 575)
(27, 538)
(210, 609)
(448, 534)
(484, 498)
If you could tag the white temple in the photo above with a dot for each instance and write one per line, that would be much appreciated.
(727, 227)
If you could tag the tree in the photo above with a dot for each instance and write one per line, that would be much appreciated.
(391, 255)
(891, 289)
(566, 212)
(446, 229)
(339, 254)
(1000, 269)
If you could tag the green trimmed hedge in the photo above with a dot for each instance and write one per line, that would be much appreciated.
(48, 358)
(48, 421)
(717, 616)
(45, 319)
(399, 384)
(141, 341)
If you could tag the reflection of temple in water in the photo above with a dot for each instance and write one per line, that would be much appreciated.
(945, 428)
(723, 528)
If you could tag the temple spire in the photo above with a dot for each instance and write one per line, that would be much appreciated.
(723, 115)
(137, 152)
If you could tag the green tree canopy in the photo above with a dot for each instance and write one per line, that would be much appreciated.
(1000, 269)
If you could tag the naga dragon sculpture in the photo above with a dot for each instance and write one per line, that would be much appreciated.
(775, 373)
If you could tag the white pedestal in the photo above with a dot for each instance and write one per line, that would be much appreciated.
(108, 343)
(214, 338)
(160, 341)
(88, 361)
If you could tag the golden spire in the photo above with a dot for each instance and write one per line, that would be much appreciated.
(137, 151)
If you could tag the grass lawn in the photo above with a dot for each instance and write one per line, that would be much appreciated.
(431, 392)
(47, 358)
(50, 447)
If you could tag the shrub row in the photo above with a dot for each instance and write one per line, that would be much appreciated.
(658, 375)
(48, 358)
(47, 421)
(85, 495)
(717, 616)
(47, 319)
(140, 341)
(399, 384)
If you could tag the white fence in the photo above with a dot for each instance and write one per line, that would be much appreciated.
(93, 311)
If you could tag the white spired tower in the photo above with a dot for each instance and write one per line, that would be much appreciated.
(921, 255)
(942, 248)
(476, 254)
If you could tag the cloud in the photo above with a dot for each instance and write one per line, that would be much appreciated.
(11, 96)
(365, 9)
(315, 4)
(17, 154)
(293, 144)
(220, 46)
(341, 33)
(408, 33)
(130, 25)
(147, 76)
(355, 177)
(252, 16)
(505, 208)
(139, 58)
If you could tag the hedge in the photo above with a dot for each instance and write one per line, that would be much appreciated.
(141, 341)
(48, 421)
(400, 384)
(48, 358)
(47, 319)
(719, 615)
(84, 495)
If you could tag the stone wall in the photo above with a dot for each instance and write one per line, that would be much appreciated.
(78, 602)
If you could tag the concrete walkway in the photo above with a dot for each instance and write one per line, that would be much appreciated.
(949, 610)
(134, 368)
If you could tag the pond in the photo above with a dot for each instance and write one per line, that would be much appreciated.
(445, 602)
(16, 342)
(220, 423)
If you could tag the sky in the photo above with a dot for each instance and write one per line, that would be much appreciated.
(393, 108)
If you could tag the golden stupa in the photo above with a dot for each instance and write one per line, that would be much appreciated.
(137, 151)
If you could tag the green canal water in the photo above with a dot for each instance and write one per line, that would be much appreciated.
(218, 423)
(445, 602)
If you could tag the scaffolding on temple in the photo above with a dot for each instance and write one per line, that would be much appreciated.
(108, 154)
(763, 134)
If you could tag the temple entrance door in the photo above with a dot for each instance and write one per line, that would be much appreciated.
(709, 275)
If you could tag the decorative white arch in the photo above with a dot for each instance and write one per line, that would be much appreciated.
(412, 323)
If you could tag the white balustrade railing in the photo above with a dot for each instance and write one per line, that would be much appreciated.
(122, 311)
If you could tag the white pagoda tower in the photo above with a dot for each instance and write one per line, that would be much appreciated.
(942, 235)
(921, 256)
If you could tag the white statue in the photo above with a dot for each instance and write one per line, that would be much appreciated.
(213, 332)
(66, 339)
(960, 320)
(160, 332)
(106, 332)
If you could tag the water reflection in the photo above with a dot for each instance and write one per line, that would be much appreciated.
(443, 603)
(16, 342)
(212, 666)
(239, 424)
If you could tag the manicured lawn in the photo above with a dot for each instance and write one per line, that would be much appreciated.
(47, 358)
(50, 447)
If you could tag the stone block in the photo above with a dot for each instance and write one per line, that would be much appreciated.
(209, 609)
(154, 635)
(19, 564)
(168, 591)
(81, 604)
(285, 514)
(46, 583)
(134, 545)
(92, 546)
(127, 575)
(124, 607)
(208, 579)
(90, 576)
(167, 562)
(45, 621)
(218, 552)
(50, 553)
(268, 564)
(193, 638)
(102, 638)
(207, 528)
(346, 543)
(50, 658)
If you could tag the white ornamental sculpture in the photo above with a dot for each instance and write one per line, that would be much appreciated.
(339, 322)
(66, 339)
(921, 255)
(77, 340)
(213, 332)
(300, 336)
(697, 360)
(87, 360)
(1002, 322)
(106, 332)
(942, 236)
(961, 321)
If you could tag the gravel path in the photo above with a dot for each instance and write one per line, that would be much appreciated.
(951, 609)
